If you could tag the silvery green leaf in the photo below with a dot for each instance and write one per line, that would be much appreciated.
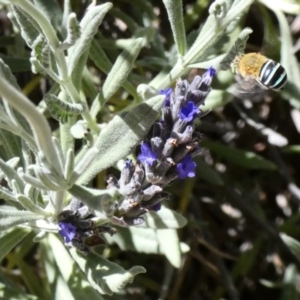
(168, 239)
(7, 195)
(121, 136)
(175, 14)
(212, 30)
(101, 60)
(61, 110)
(64, 272)
(89, 26)
(165, 218)
(288, 59)
(146, 91)
(292, 244)
(12, 217)
(7, 74)
(47, 178)
(9, 240)
(142, 240)
(103, 201)
(28, 26)
(69, 164)
(73, 30)
(29, 205)
(41, 51)
(78, 70)
(119, 72)
(105, 276)
(11, 174)
(12, 142)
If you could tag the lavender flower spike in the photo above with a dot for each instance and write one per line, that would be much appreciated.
(173, 139)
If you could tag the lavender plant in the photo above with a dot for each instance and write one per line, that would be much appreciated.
(46, 178)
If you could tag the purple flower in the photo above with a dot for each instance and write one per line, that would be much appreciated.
(67, 231)
(189, 111)
(208, 75)
(156, 207)
(167, 92)
(186, 168)
(147, 155)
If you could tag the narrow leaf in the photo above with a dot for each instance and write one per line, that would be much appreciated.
(89, 27)
(104, 276)
(29, 27)
(61, 110)
(10, 240)
(30, 205)
(168, 239)
(165, 218)
(101, 60)
(175, 14)
(293, 244)
(11, 217)
(119, 72)
(11, 174)
(121, 136)
(67, 268)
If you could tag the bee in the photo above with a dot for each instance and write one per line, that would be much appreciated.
(267, 73)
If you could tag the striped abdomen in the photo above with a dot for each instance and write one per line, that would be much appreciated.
(272, 75)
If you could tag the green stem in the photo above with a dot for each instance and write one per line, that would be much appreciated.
(39, 125)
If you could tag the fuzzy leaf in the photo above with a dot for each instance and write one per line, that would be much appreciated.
(12, 217)
(30, 205)
(29, 27)
(168, 239)
(165, 218)
(11, 174)
(148, 240)
(89, 27)
(68, 274)
(10, 240)
(293, 244)
(103, 201)
(104, 276)
(6, 195)
(121, 136)
(119, 72)
(61, 110)
(12, 142)
(101, 60)
(175, 14)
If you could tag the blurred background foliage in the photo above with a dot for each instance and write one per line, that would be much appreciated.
(243, 206)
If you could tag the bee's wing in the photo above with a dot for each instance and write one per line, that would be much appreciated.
(247, 89)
